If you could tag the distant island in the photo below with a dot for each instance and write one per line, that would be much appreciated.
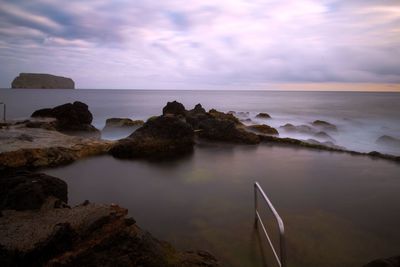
(42, 81)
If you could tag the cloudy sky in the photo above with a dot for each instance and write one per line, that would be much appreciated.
(203, 44)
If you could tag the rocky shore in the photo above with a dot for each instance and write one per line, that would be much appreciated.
(38, 228)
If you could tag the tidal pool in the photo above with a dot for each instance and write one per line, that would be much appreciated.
(338, 209)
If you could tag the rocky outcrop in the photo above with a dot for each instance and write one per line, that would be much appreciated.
(71, 117)
(324, 125)
(223, 116)
(263, 115)
(263, 129)
(304, 129)
(24, 147)
(160, 137)
(174, 108)
(26, 191)
(324, 136)
(42, 81)
(226, 131)
(122, 122)
(85, 235)
(386, 140)
(389, 262)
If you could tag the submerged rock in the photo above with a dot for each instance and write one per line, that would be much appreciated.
(263, 115)
(324, 136)
(159, 137)
(26, 191)
(122, 122)
(324, 125)
(388, 141)
(174, 108)
(42, 81)
(227, 131)
(304, 129)
(263, 129)
(70, 117)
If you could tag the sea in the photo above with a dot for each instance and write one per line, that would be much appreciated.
(338, 209)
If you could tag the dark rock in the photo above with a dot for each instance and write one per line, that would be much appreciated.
(324, 125)
(174, 108)
(389, 262)
(160, 137)
(324, 136)
(42, 81)
(196, 115)
(198, 109)
(304, 129)
(47, 125)
(70, 117)
(263, 129)
(227, 131)
(223, 116)
(123, 122)
(263, 115)
(388, 141)
(25, 191)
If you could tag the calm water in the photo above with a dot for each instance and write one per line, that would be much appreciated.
(360, 117)
(339, 210)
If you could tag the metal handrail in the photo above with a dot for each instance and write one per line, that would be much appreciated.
(4, 111)
(281, 259)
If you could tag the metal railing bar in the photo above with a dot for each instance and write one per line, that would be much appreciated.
(282, 259)
(269, 240)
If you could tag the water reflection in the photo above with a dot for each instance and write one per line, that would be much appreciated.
(339, 210)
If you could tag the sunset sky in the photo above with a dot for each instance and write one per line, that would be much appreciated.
(205, 44)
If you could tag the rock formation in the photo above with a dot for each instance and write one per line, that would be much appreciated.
(42, 81)
(122, 122)
(386, 140)
(263, 115)
(85, 235)
(324, 125)
(263, 129)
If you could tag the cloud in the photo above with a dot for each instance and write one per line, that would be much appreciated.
(174, 44)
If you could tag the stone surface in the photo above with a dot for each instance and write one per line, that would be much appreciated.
(42, 81)
(70, 117)
(389, 262)
(174, 108)
(160, 137)
(263, 115)
(263, 129)
(25, 191)
(227, 131)
(122, 122)
(223, 116)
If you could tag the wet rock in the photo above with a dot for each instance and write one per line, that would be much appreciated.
(70, 117)
(263, 129)
(26, 191)
(50, 125)
(42, 81)
(224, 116)
(304, 129)
(227, 131)
(324, 125)
(246, 120)
(324, 136)
(174, 108)
(196, 115)
(122, 123)
(325, 144)
(160, 137)
(389, 262)
(388, 141)
(198, 109)
(263, 115)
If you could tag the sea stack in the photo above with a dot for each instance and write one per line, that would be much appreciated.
(42, 81)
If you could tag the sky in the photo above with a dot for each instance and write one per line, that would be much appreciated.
(204, 44)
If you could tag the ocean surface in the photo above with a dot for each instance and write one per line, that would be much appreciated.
(361, 118)
(339, 210)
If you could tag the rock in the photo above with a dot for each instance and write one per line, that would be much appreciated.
(26, 191)
(174, 108)
(324, 136)
(389, 262)
(263, 115)
(263, 129)
(325, 144)
(304, 129)
(324, 125)
(70, 117)
(198, 109)
(246, 120)
(223, 116)
(160, 137)
(47, 148)
(42, 81)
(388, 141)
(227, 131)
(122, 122)
(196, 115)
